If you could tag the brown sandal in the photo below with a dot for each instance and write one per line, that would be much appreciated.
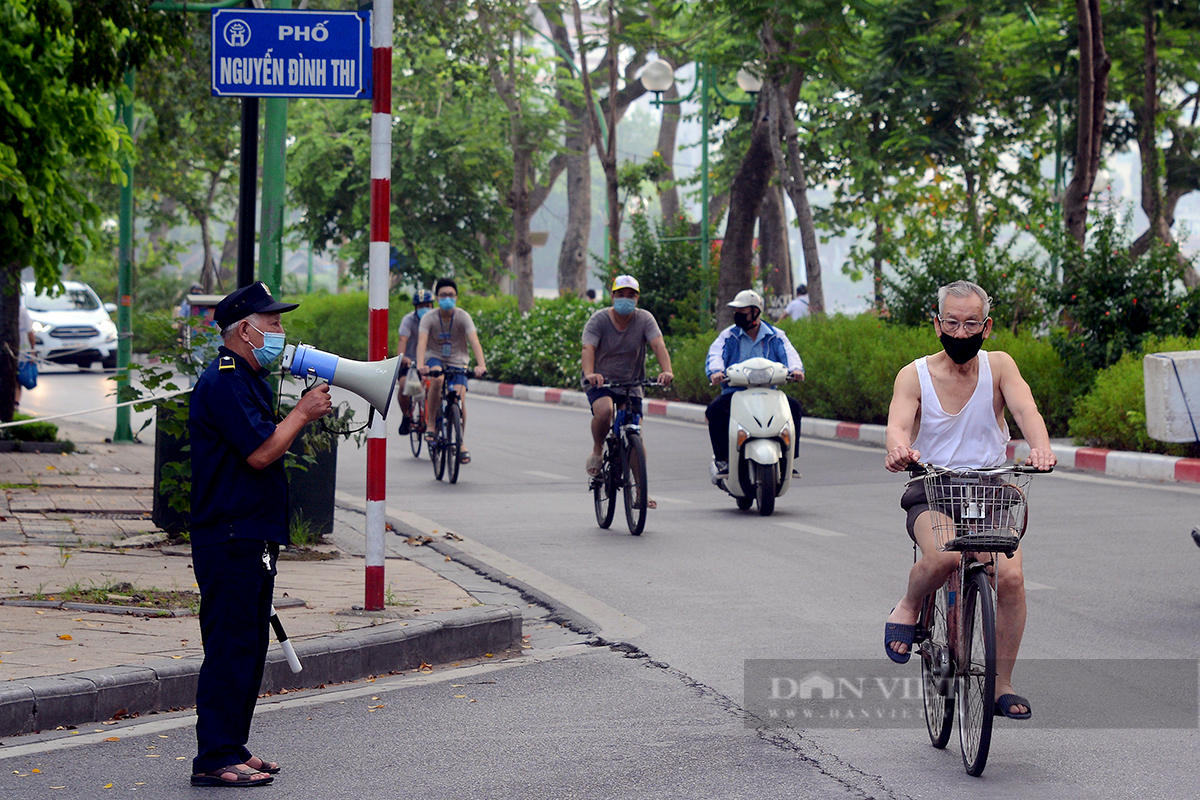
(238, 775)
(269, 767)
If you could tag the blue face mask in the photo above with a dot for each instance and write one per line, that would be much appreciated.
(624, 305)
(422, 312)
(272, 347)
(447, 303)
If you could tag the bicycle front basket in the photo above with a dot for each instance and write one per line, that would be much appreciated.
(978, 510)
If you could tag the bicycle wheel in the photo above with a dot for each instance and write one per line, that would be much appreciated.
(765, 488)
(453, 440)
(937, 667)
(634, 471)
(416, 433)
(977, 673)
(437, 449)
(604, 488)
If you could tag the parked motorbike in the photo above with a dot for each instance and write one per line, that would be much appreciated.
(761, 435)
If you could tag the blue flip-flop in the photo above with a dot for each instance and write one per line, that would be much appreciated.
(1005, 702)
(901, 633)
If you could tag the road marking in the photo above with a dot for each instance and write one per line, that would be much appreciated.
(548, 475)
(797, 526)
(1034, 585)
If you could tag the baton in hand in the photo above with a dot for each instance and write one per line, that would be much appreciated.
(288, 650)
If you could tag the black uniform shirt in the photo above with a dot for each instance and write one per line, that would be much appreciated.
(230, 417)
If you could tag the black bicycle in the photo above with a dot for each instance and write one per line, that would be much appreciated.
(980, 514)
(445, 448)
(623, 464)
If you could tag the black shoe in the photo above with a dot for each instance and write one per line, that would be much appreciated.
(405, 426)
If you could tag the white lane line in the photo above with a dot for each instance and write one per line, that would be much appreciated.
(797, 526)
(1033, 585)
(548, 475)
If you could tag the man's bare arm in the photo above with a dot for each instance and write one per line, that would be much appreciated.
(902, 420)
(1019, 399)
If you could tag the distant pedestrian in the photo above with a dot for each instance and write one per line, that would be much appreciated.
(798, 308)
(590, 294)
(239, 521)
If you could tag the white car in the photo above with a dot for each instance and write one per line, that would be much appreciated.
(73, 326)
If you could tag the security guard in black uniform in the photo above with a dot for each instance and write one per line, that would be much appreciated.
(239, 519)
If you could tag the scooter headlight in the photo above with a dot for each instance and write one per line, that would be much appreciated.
(758, 377)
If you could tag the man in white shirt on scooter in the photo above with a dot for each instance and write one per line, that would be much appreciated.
(748, 337)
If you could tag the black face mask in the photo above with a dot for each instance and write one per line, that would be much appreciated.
(743, 319)
(962, 350)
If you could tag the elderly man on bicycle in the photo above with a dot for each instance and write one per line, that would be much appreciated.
(614, 351)
(948, 409)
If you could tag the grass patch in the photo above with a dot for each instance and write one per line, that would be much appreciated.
(123, 593)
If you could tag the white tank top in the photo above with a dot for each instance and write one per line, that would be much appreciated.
(967, 440)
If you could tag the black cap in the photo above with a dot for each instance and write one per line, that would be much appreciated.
(252, 299)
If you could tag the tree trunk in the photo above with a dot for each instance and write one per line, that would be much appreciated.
(10, 301)
(745, 196)
(668, 130)
(774, 258)
(606, 150)
(877, 263)
(1094, 65)
(518, 199)
(573, 257)
(791, 172)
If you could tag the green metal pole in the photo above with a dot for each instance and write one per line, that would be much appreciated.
(705, 254)
(270, 257)
(123, 432)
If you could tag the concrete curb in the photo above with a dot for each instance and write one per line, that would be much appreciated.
(37, 704)
(1114, 463)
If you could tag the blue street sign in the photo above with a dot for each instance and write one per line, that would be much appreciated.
(268, 53)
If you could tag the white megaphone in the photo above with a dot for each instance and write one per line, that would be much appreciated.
(374, 381)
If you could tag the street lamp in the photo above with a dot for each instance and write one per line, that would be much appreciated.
(658, 76)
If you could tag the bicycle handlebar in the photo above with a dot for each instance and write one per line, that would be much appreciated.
(629, 384)
(919, 468)
(435, 372)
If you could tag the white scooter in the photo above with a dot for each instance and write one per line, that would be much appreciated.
(761, 435)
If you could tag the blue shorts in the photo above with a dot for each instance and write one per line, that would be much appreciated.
(457, 379)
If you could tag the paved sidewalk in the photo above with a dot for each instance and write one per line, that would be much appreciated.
(83, 519)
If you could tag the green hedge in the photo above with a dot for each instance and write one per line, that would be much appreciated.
(851, 362)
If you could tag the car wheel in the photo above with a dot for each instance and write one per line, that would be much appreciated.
(110, 362)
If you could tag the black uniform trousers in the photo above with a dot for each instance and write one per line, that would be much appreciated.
(235, 614)
(717, 414)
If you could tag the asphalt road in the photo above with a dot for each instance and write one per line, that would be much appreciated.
(1111, 574)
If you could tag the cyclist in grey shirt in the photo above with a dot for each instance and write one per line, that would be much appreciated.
(614, 350)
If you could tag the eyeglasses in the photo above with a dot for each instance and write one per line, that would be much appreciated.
(971, 326)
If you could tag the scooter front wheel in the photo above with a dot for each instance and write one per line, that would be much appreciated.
(765, 487)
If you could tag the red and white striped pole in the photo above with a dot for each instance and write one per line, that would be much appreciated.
(377, 286)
